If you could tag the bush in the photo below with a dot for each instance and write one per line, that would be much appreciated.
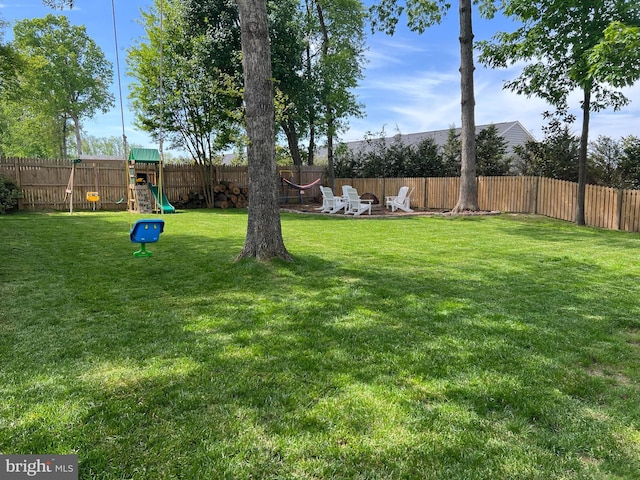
(387, 157)
(9, 194)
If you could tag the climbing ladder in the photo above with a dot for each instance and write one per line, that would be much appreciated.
(143, 199)
(139, 195)
(131, 171)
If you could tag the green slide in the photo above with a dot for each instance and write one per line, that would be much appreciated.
(164, 205)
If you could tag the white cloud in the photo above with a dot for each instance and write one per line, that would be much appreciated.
(419, 100)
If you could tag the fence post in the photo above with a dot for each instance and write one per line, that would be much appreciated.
(424, 195)
(619, 209)
(16, 165)
(534, 193)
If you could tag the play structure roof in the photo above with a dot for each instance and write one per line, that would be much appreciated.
(144, 155)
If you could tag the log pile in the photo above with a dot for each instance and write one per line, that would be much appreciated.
(192, 200)
(229, 195)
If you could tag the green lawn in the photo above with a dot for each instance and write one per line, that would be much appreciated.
(503, 347)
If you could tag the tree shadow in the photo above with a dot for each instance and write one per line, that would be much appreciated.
(189, 365)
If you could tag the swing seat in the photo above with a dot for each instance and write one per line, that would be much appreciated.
(93, 197)
(143, 232)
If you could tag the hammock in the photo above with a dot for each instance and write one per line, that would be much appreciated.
(301, 187)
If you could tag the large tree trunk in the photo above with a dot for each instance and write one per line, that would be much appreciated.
(468, 198)
(582, 157)
(264, 233)
(289, 127)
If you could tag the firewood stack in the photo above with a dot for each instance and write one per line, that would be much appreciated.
(229, 195)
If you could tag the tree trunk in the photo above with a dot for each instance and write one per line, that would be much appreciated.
(311, 111)
(328, 107)
(289, 127)
(76, 125)
(206, 177)
(312, 141)
(582, 156)
(264, 233)
(468, 198)
(330, 169)
(63, 145)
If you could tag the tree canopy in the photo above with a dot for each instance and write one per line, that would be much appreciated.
(67, 75)
(568, 46)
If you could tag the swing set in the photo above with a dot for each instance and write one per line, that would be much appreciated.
(93, 195)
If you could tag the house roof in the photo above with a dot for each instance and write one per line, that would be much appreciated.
(513, 132)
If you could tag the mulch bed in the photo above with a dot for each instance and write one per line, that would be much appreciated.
(377, 211)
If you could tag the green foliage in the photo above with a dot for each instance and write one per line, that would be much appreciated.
(420, 14)
(66, 76)
(616, 59)
(563, 43)
(556, 156)
(9, 194)
(59, 4)
(452, 153)
(200, 105)
(333, 62)
(380, 158)
(491, 158)
(604, 159)
(615, 163)
(611, 163)
(194, 97)
(107, 146)
(341, 58)
(10, 64)
(629, 164)
(559, 41)
(28, 132)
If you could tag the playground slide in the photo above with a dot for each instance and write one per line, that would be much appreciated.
(164, 205)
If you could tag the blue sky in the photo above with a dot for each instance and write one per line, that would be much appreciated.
(411, 82)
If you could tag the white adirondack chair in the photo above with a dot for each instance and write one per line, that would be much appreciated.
(400, 201)
(331, 203)
(355, 205)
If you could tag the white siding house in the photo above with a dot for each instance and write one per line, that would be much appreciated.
(513, 132)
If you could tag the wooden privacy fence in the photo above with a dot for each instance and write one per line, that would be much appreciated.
(605, 207)
(43, 184)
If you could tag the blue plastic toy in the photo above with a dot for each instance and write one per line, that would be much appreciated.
(143, 232)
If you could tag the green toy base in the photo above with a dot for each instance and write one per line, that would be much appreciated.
(143, 252)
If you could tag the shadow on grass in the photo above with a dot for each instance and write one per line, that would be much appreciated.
(187, 365)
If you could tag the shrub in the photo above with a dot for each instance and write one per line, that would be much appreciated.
(9, 194)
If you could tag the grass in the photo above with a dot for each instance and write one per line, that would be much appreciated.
(419, 348)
